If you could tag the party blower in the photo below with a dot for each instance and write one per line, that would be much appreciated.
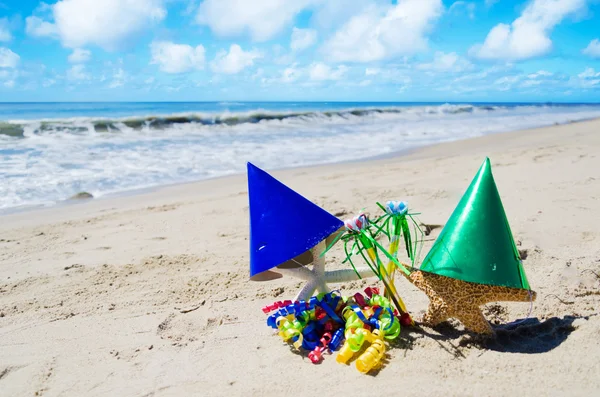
(288, 233)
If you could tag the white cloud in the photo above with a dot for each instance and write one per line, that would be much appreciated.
(588, 79)
(468, 6)
(261, 19)
(393, 75)
(540, 73)
(319, 71)
(177, 58)
(291, 74)
(593, 49)
(588, 73)
(8, 77)
(531, 83)
(450, 62)
(119, 78)
(285, 59)
(489, 3)
(383, 31)
(495, 70)
(330, 14)
(280, 57)
(5, 34)
(234, 61)
(107, 24)
(8, 59)
(288, 75)
(278, 49)
(77, 73)
(259, 72)
(507, 80)
(591, 83)
(174, 88)
(302, 39)
(37, 27)
(79, 55)
(528, 35)
(149, 80)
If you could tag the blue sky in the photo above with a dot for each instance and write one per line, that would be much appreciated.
(345, 50)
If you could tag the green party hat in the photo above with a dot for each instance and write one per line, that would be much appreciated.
(476, 245)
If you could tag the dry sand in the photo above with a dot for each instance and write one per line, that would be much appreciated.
(148, 295)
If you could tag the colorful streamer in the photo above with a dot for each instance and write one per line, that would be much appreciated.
(330, 322)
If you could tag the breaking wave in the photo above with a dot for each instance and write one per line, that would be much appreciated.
(46, 160)
(19, 128)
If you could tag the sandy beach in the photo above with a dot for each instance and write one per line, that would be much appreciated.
(148, 295)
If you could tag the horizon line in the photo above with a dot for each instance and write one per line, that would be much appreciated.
(303, 101)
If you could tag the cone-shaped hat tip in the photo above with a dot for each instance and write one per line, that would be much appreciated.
(485, 167)
(251, 167)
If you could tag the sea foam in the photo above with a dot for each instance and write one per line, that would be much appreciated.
(46, 160)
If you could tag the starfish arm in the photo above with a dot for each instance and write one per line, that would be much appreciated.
(339, 276)
(460, 299)
(302, 273)
(473, 320)
(505, 294)
(322, 285)
(318, 259)
(437, 312)
(307, 291)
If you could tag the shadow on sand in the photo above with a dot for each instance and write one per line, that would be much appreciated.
(529, 336)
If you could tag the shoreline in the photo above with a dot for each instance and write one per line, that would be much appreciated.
(406, 153)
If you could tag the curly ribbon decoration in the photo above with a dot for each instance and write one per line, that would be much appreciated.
(345, 353)
(336, 339)
(374, 353)
(371, 357)
(276, 305)
(296, 309)
(355, 338)
(326, 321)
(316, 355)
(300, 321)
(377, 314)
(290, 329)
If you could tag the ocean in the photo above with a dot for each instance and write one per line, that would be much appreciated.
(51, 151)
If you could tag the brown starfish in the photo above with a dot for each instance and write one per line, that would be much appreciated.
(461, 299)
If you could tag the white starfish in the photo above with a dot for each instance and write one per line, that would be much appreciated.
(317, 278)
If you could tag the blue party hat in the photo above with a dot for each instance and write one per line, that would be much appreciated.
(283, 224)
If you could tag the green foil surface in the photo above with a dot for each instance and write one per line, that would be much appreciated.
(476, 244)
